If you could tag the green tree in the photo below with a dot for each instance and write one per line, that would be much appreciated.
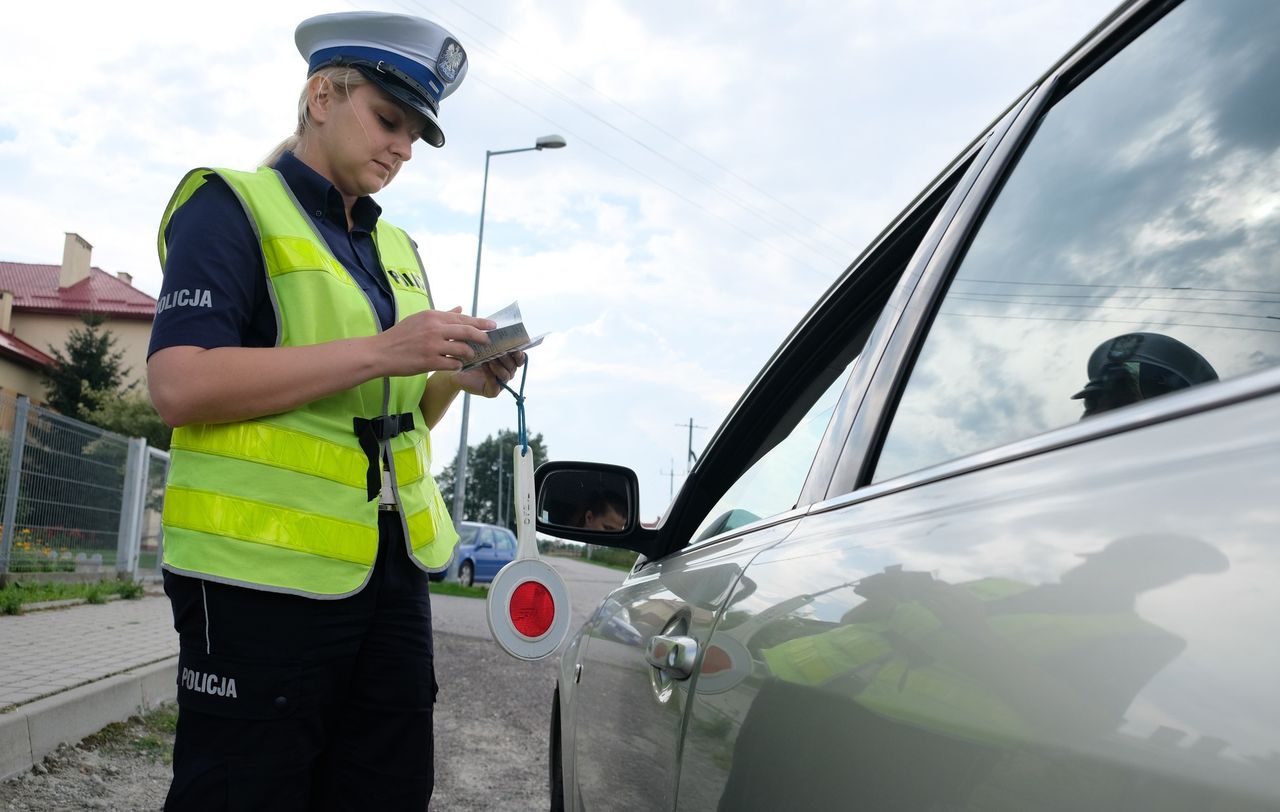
(127, 412)
(91, 364)
(484, 462)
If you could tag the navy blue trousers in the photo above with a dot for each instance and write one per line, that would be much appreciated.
(292, 703)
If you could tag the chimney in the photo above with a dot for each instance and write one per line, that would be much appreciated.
(125, 277)
(75, 260)
(6, 311)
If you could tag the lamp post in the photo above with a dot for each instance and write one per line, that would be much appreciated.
(460, 466)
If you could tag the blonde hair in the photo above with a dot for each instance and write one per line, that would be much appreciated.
(341, 79)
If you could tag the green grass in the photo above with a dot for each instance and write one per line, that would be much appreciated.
(17, 594)
(611, 557)
(613, 565)
(448, 588)
(150, 734)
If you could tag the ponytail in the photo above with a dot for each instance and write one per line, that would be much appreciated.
(342, 80)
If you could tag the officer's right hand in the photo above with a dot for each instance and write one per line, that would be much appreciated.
(431, 340)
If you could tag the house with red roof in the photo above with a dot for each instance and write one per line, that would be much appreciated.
(41, 304)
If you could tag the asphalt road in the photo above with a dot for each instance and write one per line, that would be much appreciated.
(494, 711)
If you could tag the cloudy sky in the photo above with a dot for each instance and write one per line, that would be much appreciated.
(725, 163)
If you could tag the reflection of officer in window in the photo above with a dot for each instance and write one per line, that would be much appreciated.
(1138, 366)
(918, 696)
(605, 510)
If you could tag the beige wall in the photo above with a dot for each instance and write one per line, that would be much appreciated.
(16, 379)
(42, 331)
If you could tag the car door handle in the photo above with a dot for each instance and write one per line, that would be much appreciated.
(672, 653)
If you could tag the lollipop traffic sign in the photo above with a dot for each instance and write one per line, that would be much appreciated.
(528, 606)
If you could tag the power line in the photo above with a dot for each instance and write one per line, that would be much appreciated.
(978, 298)
(1128, 287)
(786, 232)
(656, 182)
(1109, 321)
(1114, 298)
(663, 131)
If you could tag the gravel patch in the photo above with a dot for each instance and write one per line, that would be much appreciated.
(492, 721)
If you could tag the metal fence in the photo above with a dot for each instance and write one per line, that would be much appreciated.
(76, 499)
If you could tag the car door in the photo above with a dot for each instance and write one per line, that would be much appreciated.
(623, 735)
(1039, 575)
(486, 554)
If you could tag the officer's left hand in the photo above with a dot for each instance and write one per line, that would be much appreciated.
(486, 380)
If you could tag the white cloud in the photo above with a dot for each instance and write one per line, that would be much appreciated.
(641, 244)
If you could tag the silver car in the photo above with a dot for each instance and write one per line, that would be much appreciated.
(998, 526)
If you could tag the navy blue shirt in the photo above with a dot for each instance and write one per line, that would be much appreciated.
(215, 287)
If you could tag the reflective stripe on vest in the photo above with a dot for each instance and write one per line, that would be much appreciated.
(279, 502)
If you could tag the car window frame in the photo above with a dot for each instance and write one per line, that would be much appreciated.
(859, 454)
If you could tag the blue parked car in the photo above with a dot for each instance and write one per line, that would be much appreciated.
(482, 550)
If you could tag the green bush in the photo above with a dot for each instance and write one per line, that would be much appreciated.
(613, 557)
(10, 602)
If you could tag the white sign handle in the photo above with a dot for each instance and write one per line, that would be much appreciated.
(526, 512)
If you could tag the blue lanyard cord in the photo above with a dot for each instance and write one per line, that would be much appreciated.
(519, 396)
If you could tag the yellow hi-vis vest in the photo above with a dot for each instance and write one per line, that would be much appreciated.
(280, 503)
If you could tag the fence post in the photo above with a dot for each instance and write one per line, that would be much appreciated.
(139, 505)
(127, 537)
(17, 445)
(155, 455)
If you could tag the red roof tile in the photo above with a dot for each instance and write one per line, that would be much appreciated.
(35, 290)
(13, 347)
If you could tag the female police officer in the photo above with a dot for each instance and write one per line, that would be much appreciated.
(297, 351)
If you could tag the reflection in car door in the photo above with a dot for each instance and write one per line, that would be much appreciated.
(1085, 628)
(1003, 605)
(626, 706)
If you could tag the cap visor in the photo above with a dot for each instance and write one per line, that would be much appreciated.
(432, 133)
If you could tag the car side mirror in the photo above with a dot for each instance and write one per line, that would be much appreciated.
(594, 503)
(596, 499)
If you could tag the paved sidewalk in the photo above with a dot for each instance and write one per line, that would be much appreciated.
(44, 653)
(68, 672)
(65, 673)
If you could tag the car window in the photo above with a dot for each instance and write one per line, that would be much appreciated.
(467, 534)
(1132, 252)
(506, 543)
(773, 483)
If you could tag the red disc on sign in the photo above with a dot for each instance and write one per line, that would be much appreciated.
(532, 609)
(528, 609)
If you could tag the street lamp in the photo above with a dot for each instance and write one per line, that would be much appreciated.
(460, 466)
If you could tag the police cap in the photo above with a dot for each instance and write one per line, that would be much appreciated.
(1162, 364)
(416, 61)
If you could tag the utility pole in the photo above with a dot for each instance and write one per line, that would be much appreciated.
(672, 476)
(498, 509)
(692, 458)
